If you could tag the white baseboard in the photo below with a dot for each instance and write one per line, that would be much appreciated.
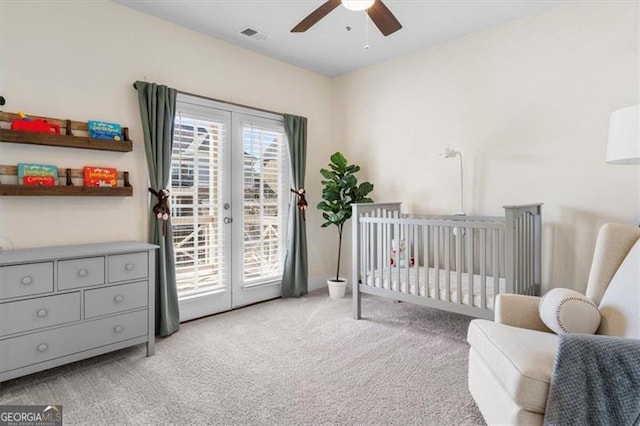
(316, 283)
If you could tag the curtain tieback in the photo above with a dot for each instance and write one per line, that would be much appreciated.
(161, 209)
(302, 201)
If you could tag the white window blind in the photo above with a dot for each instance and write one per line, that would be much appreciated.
(196, 191)
(266, 197)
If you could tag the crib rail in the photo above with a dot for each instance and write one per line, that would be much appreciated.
(456, 263)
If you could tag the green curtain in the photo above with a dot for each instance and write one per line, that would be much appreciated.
(157, 110)
(296, 270)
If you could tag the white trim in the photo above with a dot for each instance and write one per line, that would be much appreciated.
(210, 103)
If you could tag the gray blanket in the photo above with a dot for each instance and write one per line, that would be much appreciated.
(595, 381)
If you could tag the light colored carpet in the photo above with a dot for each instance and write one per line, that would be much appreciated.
(294, 361)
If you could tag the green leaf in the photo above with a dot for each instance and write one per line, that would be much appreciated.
(334, 167)
(350, 181)
(364, 189)
(322, 205)
(327, 174)
(339, 160)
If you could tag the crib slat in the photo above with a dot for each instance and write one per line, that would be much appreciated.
(520, 255)
(458, 236)
(365, 248)
(416, 257)
(363, 276)
(483, 268)
(396, 236)
(436, 261)
(372, 240)
(389, 246)
(379, 239)
(531, 254)
(406, 235)
(537, 252)
(363, 257)
(470, 275)
(447, 263)
(427, 244)
(496, 265)
(526, 255)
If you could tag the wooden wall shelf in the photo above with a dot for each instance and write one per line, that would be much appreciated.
(28, 138)
(68, 189)
(67, 140)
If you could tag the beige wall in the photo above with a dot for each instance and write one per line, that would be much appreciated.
(79, 60)
(527, 103)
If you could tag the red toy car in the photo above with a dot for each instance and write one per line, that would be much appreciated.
(35, 126)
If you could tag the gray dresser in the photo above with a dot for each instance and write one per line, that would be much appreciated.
(63, 304)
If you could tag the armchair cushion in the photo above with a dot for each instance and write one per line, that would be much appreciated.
(613, 244)
(567, 311)
(620, 306)
(520, 359)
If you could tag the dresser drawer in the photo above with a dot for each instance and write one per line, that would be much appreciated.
(126, 267)
(38, 313)
(39, 347)
(80, 273)
(24, 280)
(118, 298)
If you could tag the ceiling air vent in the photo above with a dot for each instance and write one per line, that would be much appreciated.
(254, 34)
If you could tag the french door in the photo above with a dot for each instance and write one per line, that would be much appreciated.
(229, 199)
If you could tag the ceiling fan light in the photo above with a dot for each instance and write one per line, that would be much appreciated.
(358, 4)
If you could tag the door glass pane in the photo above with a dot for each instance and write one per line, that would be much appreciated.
(265, 174)
(196, 191)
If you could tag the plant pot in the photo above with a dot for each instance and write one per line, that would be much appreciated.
(337, 288)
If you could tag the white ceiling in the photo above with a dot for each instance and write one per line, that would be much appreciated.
(328, 48)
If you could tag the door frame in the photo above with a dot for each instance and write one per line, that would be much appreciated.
(235, 293)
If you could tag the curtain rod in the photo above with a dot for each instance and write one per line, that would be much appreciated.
(225, 102)
(230, 103)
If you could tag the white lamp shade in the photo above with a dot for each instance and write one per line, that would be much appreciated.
(623, 146)
(357, 4)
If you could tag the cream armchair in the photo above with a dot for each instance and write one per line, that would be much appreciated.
(511, 359)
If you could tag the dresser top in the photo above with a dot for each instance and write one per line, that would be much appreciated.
(8, 257)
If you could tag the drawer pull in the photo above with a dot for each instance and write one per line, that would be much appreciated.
(119, 298)
(129, 267)
(42, 313)
(83, 273)
(42, 347)
(27, 280)
(118, 328)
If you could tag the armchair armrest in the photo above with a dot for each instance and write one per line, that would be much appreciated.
(520, 311)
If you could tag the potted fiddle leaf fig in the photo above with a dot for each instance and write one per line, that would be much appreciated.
(340, 191)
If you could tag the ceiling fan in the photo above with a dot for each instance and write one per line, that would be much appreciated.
(376, 9)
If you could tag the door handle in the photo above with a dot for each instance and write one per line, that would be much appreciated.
(228, 220)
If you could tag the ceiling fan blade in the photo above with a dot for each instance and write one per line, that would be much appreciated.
(315, 16)
(383, 18)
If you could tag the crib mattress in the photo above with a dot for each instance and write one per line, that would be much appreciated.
(374, 280)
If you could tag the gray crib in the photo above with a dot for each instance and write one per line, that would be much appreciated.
(454, 263)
